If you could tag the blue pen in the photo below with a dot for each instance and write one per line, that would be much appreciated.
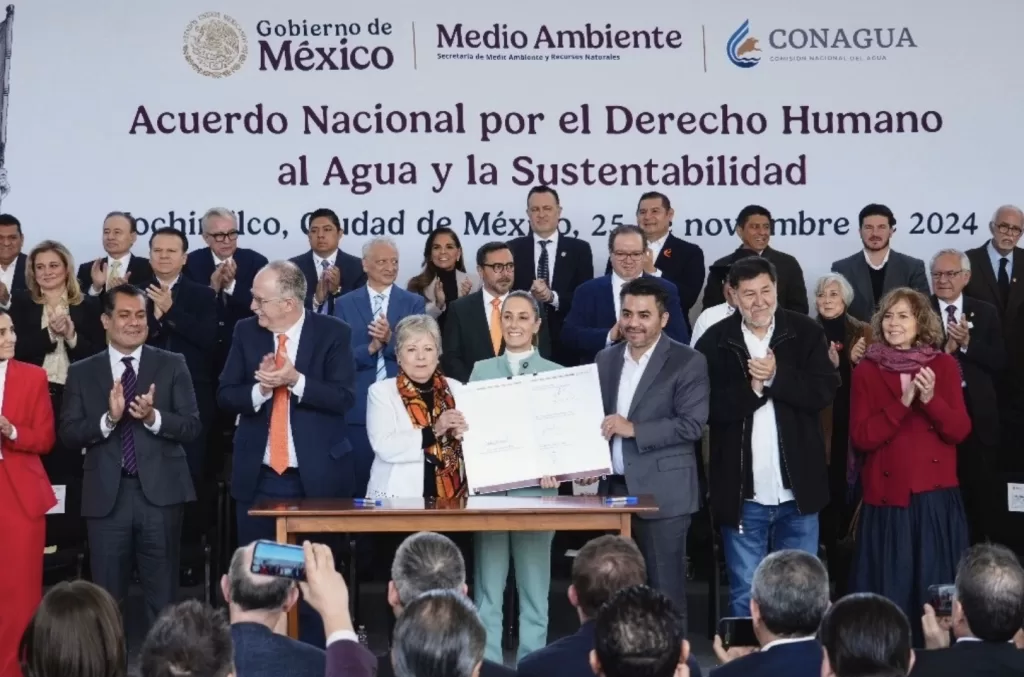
(367, 502)
(621, 500)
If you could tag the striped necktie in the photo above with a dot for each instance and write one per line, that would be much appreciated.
(378, 312)
(324, 309)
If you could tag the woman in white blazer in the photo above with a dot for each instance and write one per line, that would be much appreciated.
(443, 278)
(413, 424)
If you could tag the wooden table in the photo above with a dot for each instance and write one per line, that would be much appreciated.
(476, 513)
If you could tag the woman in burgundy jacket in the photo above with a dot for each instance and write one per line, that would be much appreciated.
(907, 414)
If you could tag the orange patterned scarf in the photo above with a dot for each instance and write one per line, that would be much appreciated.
(450, 473)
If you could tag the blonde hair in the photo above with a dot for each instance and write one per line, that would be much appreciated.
(929, 326)
(73, 291)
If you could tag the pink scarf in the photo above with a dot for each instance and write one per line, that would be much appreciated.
(901, 361)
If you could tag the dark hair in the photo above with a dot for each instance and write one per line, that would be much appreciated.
(652, 194)
(792, 593)
(325, 213)
(418, 283)
(751, 210)
(604, 566)
(189, 638)
(126, 289)
(10, 220)
(438, 634)
(489, 248)
(990, 587)
(749, 268)
(866, 634)
(124, 215)
(646, 286)
(876, 210)
(543, 189)
(625, 230)
(170, 230)
(638, 633)
(76, 630)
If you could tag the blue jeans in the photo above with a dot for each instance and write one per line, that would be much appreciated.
(763, 529)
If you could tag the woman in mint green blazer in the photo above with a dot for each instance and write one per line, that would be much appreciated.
(520, 323)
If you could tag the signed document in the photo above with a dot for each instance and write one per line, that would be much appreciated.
(532, 426)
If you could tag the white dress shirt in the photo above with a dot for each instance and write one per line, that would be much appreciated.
(488, 297)
(515, 359)
(217, 262)
(710, 317)
(384, 302)
(958, 305)
(318, 265)
(7, 274)
(117, 370)
(632, 372)
(880, 265)
(617, 284)
(124, 261)
(769, 488)
(787, 640)
(655, 247)
(291, 347)
(552, 248)
(3, 382)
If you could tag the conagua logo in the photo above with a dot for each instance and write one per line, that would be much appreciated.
(742, 47)
(215, 45)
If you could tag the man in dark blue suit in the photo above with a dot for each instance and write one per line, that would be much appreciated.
(592, 324)
(183, 319)
(601, 568)
(329, 271)
(12, 261)
(373, 312)
(788, 598)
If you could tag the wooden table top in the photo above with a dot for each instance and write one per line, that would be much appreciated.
(473, 505)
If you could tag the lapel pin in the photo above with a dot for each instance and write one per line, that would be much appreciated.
(563, 253)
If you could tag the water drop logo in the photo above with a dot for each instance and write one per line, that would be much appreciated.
(742, 47)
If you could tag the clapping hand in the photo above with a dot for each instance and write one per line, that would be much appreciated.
(272, 378)
(909, 393)
(439, 298)
(763, 368)
(541, 291)
(450, 422)
(6, 428)
(267, 364)
(115, 402)
(833, 354)
(380, 330)
(465, 287)
(925, 383)
(141, 408)
(959, 332)
(858, 350)
(161, 298)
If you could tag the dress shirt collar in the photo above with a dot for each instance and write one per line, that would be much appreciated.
(116, 356)
(488, 297)
(880, 265)
(553, 239)
(171, 284)
(617, 281)
(373, 292)
(293, 332)
(748, 332)
(787, 640)
(659, 243)
(217, 260)
(124, 261)
(994, 253)
(969, 639)
(957, 303)
(318, 261)
(627, 355)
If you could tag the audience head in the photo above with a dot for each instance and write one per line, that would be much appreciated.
(601, 568)
(1006, 227)
(496, 268)
(220, 232)
(49, 270)
(989, 602)
(654, 215)
(877, 224)
(254, 596)
(951, 271)
(8, 337)
(753, 282)
(865, 635)
(324, 232)
(188, 639)
(425, 561)
(418, 346)
(119, 234)
(443, 251)
(544, 211)
(905, 319)
(439, 634)
(124, 317)
(788, 596)
(627, 247)
(168, 251)
(380, 262)
(520, 321)
(638, 633)
(644, 312)
(76, 630)
(723, 272)
(754, 226)
(833, 294)
(11, 238)
(278, 295)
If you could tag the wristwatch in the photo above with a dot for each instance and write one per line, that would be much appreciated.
(110, 422)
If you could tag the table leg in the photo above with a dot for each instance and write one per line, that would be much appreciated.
(626, 525)
(284, 537)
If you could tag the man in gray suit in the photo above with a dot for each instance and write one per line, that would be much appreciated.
(655, 394)
(877, 269)
(131, 408)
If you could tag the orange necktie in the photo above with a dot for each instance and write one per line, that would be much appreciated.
(279, 416)
(496, 325)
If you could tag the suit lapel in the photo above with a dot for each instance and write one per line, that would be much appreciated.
(396, 307)
(305, 353)
(862, 281)
(654, 367)
(365, 304)
(1016, 287)
(560, 264)
(148, 368)
(611, 395)
(667, 247)
(607, 301)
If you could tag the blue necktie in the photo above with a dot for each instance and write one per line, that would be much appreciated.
(324, 265)
(378, 312)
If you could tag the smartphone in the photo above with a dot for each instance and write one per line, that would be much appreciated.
(941, 598)
(279, 559)
(736, 631)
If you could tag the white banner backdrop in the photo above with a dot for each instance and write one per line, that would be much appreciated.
(404, 115)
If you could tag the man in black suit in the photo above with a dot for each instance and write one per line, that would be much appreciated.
(329, 271)
(119, 265)
(974, 337)
(669, 257)
(754, 227)
(472, 331)
(988, 610)
(183, 320)
(550, 265)
(12, 261)
(601, 568)
(132, 408)
(424, 562)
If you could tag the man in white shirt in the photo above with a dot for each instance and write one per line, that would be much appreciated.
(714, 314)
(119, 265)
(329, 271)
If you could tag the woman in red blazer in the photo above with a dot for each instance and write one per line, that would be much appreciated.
(907, 415)
(26, 433)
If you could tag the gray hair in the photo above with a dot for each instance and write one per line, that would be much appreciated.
(1006, 208)
(439, 633)
(791, 590)
(251, 595)
(291, 281)
(376, 241)
(845, 288)
(411, 326)
(520, 294)
(965, 263)
(427, 561)
(990, 588)
(217, 213)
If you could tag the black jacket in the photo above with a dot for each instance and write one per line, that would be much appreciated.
(805, 383)
(977, 659)
(792, 289)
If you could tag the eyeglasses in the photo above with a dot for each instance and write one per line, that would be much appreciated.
(945, 274)
(262, 302)
(231, 236)
(500, 267)
(624, 256)
(1006, 228)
